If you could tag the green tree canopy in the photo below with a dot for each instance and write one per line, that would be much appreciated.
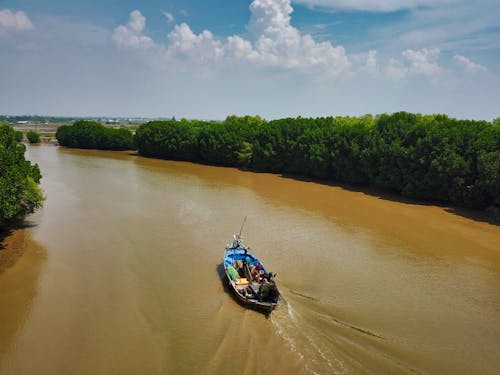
(431, 157)
(33, 137)
(19, 136)
(94, 135)
(19, 191)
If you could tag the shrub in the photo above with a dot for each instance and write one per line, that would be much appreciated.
(33, 137)
(19, 136)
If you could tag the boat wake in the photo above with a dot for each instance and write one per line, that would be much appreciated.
(306, 341)
(325, 344)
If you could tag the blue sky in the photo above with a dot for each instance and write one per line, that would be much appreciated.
(274, 58)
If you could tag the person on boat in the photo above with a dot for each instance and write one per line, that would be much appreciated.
(268, 292)
(255, 272)
(233, 274)
(239, 267)
(248, 292)
(264, 290)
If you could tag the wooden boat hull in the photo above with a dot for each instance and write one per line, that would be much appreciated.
(265, 307)
(255, 303)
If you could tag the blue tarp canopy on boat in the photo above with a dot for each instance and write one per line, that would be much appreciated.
(233, 255)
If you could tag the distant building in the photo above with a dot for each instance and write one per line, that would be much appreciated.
(22, 122)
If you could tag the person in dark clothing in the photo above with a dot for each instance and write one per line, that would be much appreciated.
(268, 292)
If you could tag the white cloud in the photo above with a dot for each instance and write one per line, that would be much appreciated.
(131, 35)
(240, 49)
(365, 63)
(200, 48)
(370, 65)
(78, 61)
(372, 5)
(424, 61)
(271, 18)
(469, 66)
(137, 21)
(278, 43)
(17, 21)
(273, 42)
(459, 25)
(396, 70)
(168, 16)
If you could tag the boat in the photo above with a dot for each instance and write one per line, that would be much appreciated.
(247, 277)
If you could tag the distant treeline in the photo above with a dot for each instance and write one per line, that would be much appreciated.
(36, 119)
(430, 157)
(91, 134)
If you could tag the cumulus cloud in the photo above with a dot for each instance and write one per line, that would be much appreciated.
(469, 66)
(200, 48)
(424, 61)
(273, 42)
(17, 21)
(372, 5)
(277, 43)
(132, 34)
(74, 58)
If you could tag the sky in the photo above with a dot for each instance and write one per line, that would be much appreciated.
(273, 58)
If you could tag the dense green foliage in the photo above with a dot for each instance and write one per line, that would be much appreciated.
(19, 191)
(425, 157)
(18, 136)
(33, 137)
(91, 134)
(168, 139)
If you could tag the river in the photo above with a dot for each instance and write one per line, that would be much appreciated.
(122, 275)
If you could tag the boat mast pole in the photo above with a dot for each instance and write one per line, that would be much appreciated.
(239, 239)
(242, 225)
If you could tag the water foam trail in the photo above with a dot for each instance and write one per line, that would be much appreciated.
(293, 328)
(283, 322)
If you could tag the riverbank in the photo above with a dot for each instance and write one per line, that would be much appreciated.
(432, 158)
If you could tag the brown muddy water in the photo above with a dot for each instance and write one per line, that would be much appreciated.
(122, 275)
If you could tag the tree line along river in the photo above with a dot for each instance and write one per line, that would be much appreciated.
(429, 157)
(121, 274)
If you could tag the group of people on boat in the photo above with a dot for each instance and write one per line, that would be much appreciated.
(251, 279)
(255, 271)
(267, 291)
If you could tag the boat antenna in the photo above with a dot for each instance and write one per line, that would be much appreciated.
(242, 225)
